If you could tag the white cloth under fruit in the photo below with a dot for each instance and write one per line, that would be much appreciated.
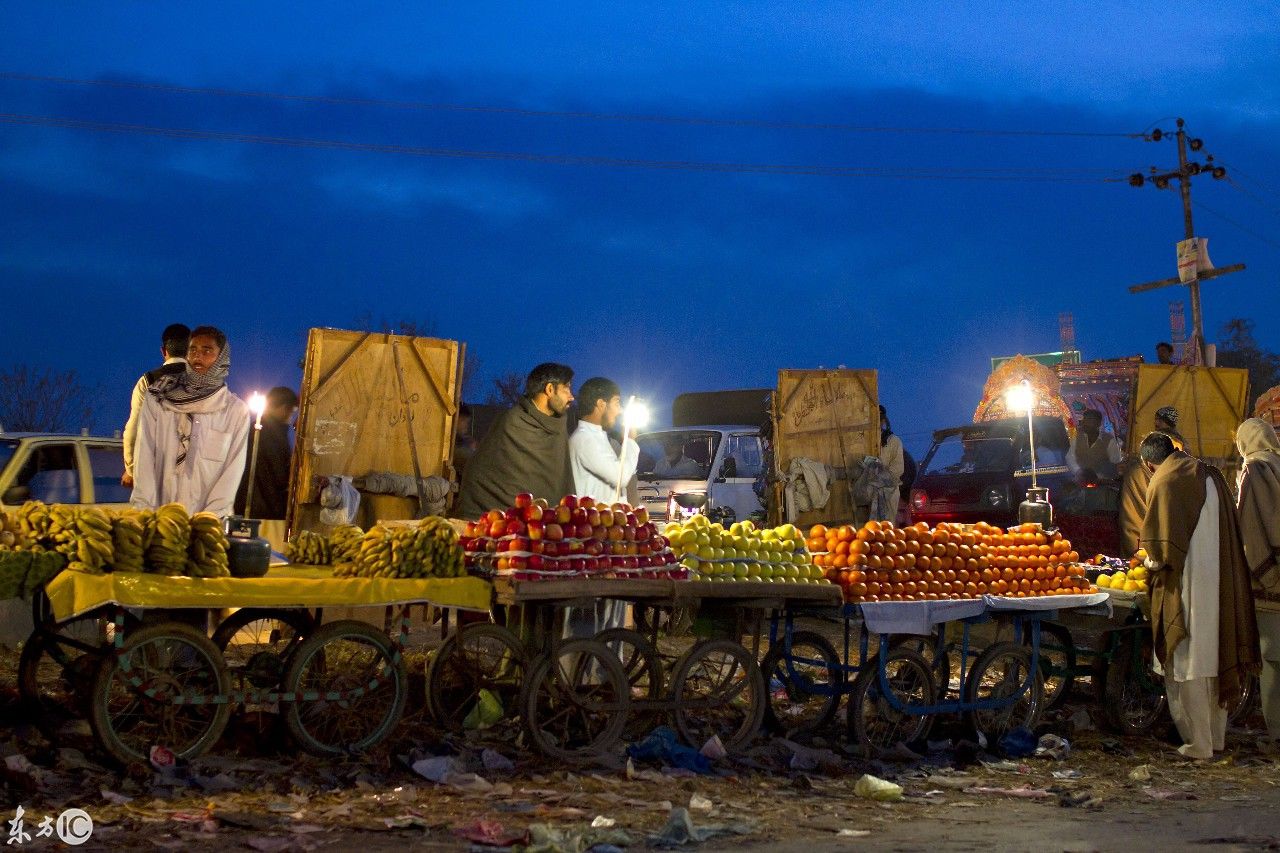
(596, 465)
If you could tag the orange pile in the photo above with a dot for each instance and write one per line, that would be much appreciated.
(881, 562)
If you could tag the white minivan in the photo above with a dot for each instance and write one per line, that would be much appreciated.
(708, 469)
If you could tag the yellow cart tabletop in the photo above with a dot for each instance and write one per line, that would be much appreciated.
(72, 593)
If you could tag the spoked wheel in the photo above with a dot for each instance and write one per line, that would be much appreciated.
(1057, 662)
(348, 687)
(642, 666)
(1010, 693)
(166, 687)
(942, 664)
(654, 621)
(479, 658)
(58, 665)
(718, 690)
(1247, 703)
(878, 719)
(1133, 693)
(258, 644)
(576, 700)
(805, 681)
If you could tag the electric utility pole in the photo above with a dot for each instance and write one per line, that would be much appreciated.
(1193, 264)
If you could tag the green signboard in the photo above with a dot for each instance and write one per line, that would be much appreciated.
(1048, 359)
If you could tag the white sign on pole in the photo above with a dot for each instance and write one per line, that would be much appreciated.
(1193, 258)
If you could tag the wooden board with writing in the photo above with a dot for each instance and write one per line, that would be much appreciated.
(829, 416)
(372, 403)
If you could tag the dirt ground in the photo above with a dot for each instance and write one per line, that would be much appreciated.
(254, 792)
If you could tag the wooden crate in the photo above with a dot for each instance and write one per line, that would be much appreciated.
(373, 403)
(830, 416)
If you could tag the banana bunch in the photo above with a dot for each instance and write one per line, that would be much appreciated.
(207, 553)
(131, 532)
(11, 538)
(87, 542)
(33, 522)
(428, 549)
(167, 552)
(308, 548)
(344, 543)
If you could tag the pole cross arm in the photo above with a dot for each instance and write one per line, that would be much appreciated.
(1169, 282)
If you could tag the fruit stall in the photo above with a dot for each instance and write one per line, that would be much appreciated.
(155, 681)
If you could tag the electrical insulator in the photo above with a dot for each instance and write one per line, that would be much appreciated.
(1193, 168)
(1219, 173)
(1136, 180)
(1162, 183)
(1197, 144)
(1157, 135)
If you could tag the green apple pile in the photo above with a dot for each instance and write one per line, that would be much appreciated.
(742, 552)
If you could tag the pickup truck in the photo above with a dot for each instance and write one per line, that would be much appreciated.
(711, 469)
(54, 468)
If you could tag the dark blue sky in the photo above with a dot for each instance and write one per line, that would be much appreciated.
(665, 280)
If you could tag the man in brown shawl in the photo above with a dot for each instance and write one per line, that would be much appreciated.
(1202, 616)
(1260, 530)
(1133, 486)
(526, 450)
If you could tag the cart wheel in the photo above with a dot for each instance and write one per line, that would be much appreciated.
(167, 686)
(58, 664)
(654, 621)
(1134, 699)
(1002, 678)
(478, 657)
(805, 681)
(719, 690)
(348, 687)
(257, 644)
(944, 670)
(1057, 662)
(873, 720)
(1247, 703)
(642, 666)
(575, 700)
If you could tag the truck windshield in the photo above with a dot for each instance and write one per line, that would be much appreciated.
(8, 446)
(677, 454)
(956, 454)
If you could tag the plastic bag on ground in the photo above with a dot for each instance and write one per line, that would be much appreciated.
(874, 788)
(661, 745)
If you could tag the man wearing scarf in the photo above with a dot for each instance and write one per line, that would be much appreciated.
(526, 450)
(192, 433)
(1202, 616)
(173, 347)
(1260, 530)
(1133, 486)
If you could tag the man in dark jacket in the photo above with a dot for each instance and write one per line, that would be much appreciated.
(271, 476)
(526, 450)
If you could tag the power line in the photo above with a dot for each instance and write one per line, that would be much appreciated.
(1229, 220)
(1261, 202)
(765, 124)
(941, 174)
(1262, 185)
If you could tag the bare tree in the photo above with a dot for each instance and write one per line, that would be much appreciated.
(507, 390)
(43, 401)
(1239, 348)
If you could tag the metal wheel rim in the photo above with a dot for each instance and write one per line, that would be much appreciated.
(484, 657)
(719, 690)
(876, 722)
(1000, 672)
(794, 706)
(576, 700)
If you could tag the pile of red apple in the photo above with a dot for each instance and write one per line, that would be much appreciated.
(578, 537)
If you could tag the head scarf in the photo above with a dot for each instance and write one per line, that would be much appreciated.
(885, 429)
(1169, 415)
(192, 387)
(1255, 437)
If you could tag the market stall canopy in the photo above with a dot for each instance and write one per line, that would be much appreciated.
(1212, 401)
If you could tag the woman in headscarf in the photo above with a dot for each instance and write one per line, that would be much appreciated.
(1260, 532)
(193, 433)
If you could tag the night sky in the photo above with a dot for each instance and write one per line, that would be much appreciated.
(901, 250)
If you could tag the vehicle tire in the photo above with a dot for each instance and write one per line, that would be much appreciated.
(56, 670)
(348, 687)
(1002, 675)
(873, 720)
(1057, 662)
(132, 706)
(575, 700)
(805, 682)
(944, 670)
(257, 644)
(478, 657)
(718, 690)
(642, 666)
(1134, 700)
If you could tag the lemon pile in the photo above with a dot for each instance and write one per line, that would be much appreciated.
(1134, 580)
(742, 552)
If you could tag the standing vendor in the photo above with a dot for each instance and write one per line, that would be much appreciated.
(1094, 454)
(526, 450)
(891, 457)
